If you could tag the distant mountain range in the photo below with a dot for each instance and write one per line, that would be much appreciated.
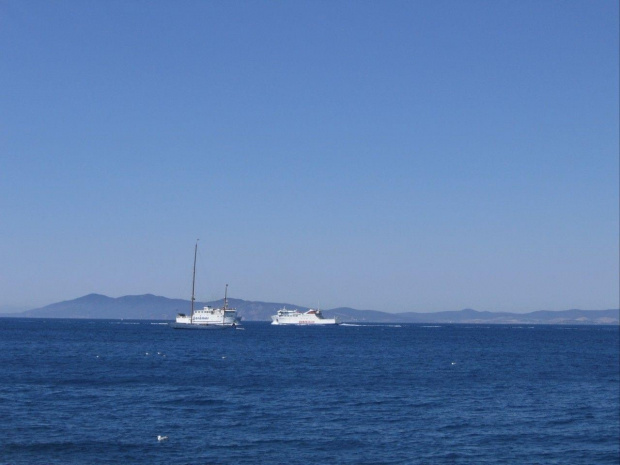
(151, 307)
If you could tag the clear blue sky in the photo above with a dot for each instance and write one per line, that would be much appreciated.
(390, 155)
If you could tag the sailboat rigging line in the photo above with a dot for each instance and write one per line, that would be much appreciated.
(194, 281)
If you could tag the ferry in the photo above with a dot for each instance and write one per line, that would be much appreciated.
(295, 317)
(208, 317)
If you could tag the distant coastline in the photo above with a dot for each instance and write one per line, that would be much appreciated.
(151, 307)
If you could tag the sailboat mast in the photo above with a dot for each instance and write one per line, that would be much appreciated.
(194, 281)
(225, 304)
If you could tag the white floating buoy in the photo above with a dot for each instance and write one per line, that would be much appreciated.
(453, 363)
(162, 438)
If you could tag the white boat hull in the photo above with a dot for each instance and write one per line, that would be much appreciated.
(296, 318)
(306, 323)
(202, 326)
(207, 318)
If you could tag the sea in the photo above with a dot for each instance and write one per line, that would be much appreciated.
(102, 391)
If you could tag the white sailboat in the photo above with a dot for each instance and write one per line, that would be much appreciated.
(208, 317)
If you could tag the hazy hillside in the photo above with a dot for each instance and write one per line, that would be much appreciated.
(146, 307)
(537, 317)
(474, 316)
(151, 307)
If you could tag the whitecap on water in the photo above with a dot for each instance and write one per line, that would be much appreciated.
(369, 326)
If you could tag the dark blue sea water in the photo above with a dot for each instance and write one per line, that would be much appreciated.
(100, 392)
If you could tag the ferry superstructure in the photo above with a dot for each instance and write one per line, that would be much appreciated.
(295, 317)
(210, 317)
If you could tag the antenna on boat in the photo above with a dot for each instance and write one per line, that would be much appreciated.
(225, 305)
(226, 297)
(194, 281)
